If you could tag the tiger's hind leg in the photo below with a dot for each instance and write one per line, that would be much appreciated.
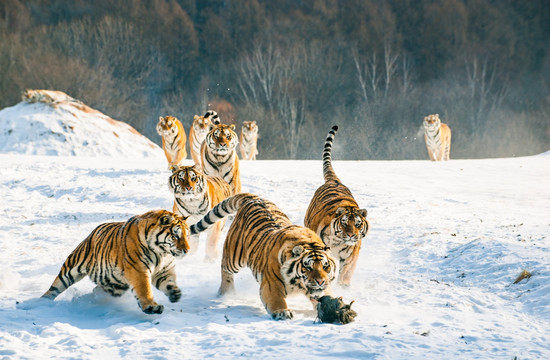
(72, 271)
(62, 282)
(227, 284)
(213, 236)
(165, 281)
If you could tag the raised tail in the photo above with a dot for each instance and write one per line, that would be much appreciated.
(328, 171)
(226, 207)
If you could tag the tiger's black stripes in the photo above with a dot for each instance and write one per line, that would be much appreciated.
(335, 216)
(122, 255)
(262, 238)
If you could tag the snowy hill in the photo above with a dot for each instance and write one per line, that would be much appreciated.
(436, 277)
(50, 122)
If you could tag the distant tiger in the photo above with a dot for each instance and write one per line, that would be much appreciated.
(335, 216)
(284, 258)
(118, 256)
(197, 133)
(173, 139)
(194, 195)
(219, 154)
(248, 140)
(438, 138)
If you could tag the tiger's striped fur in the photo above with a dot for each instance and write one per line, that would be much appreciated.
(219, 154)
(335, 216)
(248, 140)
(438, 138)
(118, 256)
(197, 133)
(194, 195)
(173, 139)
(284, 258)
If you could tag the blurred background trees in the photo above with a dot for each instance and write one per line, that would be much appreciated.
(374, 67)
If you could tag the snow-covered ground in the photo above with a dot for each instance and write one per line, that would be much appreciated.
(435, 277)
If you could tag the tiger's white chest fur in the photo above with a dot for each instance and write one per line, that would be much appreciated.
(339, 248)
(220, 165)
(432, 135)
(198, 137)
(248, 145)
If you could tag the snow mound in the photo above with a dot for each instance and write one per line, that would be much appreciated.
(49, 122)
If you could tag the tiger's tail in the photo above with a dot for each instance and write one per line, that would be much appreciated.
(328, 171)
(226, 207)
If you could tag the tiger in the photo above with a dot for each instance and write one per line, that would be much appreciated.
(335, 216)
(248, 140)
(197, 133)
(173, 139)
(219, 154)
(194, 195)
(438, 138)
(285, 259)
(118, 256)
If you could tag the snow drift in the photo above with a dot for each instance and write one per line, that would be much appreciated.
(51, 122)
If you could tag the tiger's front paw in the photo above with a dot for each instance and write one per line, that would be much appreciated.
(285, 314)
(174, 293)
(153, 309)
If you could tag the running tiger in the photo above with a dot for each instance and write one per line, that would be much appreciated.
(197, 133)
(284, 258)
(438, 138)
(248, 140)
(194, 195)
(173, 139)
(219, 154)
(118, 256)
(335, 216)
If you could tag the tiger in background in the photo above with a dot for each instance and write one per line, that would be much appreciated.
(285, 259)
(219, 154)
(335, 216)
(197, 133)
(118, 256)
(438, 138)
(248, 140)
(173, 139)
(194, 195)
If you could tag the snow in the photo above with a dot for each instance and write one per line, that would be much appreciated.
(435, 277)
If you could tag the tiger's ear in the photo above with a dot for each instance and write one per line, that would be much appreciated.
(195, 117)
(363, 212)
(161, 118)
(174, 168)
(232, 126)
(297, 250)
(165, 220)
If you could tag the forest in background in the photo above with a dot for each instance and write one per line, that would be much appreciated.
(297, 67)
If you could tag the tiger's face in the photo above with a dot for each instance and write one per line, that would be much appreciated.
(169, 233)
(167, 126)
(432, 122)
(249, 128)
(310, 269)
(186, 181)
(201, 124)
(350, 224)
(222, 139)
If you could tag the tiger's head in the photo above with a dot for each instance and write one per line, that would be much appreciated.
(201, 124)
(221, 139)
(187, 181)
(167, 126)
(249, 128)
(166, 232)
(432, 122)
(309, 268)
(350, 224)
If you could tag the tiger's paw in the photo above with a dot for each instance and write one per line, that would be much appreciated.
(173, 293)
(285, 314)
(153, 309)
